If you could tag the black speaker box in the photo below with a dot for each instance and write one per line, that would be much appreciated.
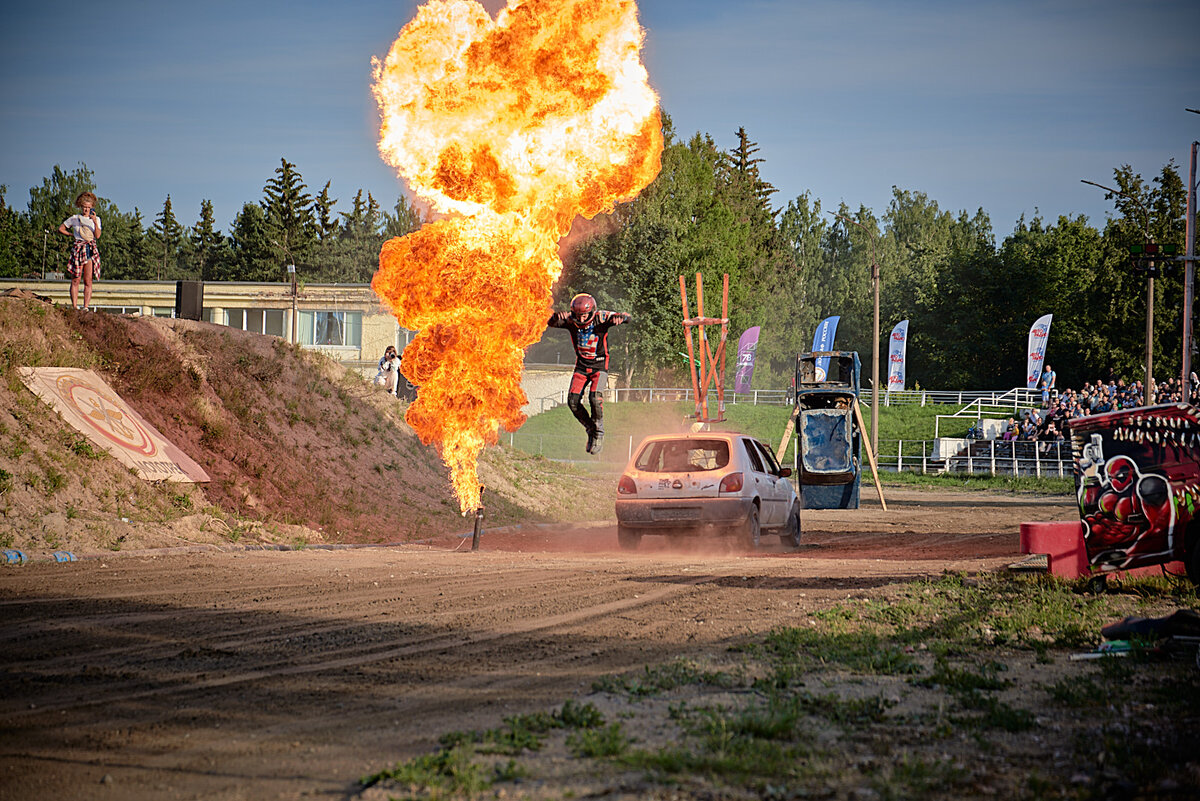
(189, 300)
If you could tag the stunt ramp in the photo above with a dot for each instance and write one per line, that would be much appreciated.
(87, 403)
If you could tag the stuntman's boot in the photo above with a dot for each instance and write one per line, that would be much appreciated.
(596, 441)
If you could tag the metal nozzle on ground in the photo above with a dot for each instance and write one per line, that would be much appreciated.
(478, 523)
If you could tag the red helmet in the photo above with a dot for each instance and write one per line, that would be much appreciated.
(583, 308)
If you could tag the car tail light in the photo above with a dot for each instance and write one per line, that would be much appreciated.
(731, 483)
(626, 486)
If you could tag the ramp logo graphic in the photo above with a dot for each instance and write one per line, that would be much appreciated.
(84, 401)
(103, 412)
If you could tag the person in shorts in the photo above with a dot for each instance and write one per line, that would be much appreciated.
(84, 263)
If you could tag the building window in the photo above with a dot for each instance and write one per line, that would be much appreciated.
(260, 321)
(118, 309)
(331, 328)
(163, 311)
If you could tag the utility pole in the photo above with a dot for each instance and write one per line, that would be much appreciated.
(1189, 277)
(875, 334)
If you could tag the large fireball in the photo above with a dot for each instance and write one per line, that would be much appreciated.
(510, 127)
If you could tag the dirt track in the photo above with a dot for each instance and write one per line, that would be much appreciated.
(261, 675)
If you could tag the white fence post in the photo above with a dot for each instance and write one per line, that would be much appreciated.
(993, 457)
(899, 456)
(924, 464)
(1037, 460)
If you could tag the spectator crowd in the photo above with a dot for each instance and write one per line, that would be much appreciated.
(1048, 424)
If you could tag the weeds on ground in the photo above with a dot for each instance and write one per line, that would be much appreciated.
(655, 680)
(453, 770)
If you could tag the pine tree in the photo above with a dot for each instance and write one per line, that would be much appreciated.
(745, 167)
(10, 238)
(289, 213)
(168, 234)
(406, 219)
(253, 256)
(206, 243)
(327, 222)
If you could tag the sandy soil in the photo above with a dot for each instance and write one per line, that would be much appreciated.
(265, 674)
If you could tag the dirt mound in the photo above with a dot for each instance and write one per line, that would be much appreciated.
(299, 448)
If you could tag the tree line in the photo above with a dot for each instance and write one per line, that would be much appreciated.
(289, 225)
(970, 299)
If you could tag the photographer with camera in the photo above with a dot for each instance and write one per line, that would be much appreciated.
(389, 371)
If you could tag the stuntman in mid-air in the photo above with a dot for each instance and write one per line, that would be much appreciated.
(589, 335)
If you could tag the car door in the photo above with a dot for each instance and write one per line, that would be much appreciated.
(761, 483)
(784, 491)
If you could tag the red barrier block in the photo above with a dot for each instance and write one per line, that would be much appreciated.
(1062, 542)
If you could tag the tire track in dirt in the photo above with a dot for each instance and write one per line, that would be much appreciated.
(119, 624)
(523, 626)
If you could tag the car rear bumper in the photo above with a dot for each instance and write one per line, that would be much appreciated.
(682, 513)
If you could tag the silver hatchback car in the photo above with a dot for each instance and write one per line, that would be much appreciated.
(710, 482)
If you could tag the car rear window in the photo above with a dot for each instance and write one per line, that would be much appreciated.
(683, 456)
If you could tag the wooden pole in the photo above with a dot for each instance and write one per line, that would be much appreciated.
(704, 354)
(721, 348)
(687, 331)
(870, 454)
(787, 433)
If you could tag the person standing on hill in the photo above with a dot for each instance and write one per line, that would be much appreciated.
(589, 336)
(85, 253)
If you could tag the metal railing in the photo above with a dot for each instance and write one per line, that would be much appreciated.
(1010, 400)
(1006, 405)
(980, 457)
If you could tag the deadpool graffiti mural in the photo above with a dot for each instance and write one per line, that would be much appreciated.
(1137, 477)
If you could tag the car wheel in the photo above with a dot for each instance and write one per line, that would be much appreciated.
(791, 532)
(752, 530)
(628, 538)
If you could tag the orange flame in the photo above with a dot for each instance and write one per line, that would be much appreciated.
(510, 127)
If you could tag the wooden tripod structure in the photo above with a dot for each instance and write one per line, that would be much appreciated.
(710, 367)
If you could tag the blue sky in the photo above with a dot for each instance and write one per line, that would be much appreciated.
(999, 105)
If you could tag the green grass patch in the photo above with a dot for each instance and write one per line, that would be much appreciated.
(526, 732)
(603, 741)
(1046, 485)
(859, 651)
(444, 774)
(660, 678)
